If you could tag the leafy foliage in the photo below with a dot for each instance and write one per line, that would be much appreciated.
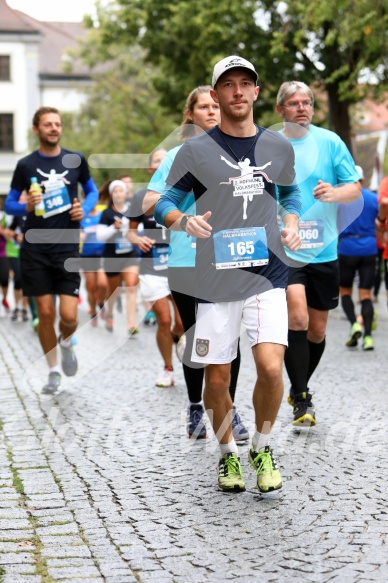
(122, 114)
(147, 55)
(329, 44)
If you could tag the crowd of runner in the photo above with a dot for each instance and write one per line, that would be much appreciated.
(238, 224)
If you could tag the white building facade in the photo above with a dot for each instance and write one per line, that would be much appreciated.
(32, 55)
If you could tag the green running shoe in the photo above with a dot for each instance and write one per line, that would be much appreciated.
(368, 343)
(230, 474)
(268, 475)
(374, 321)
(355, 334)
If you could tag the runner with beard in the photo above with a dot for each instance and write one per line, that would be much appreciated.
(49, 255)
(241, 266)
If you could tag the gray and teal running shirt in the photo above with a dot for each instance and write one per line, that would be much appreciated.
(236, 179)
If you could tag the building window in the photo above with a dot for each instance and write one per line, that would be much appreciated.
(6, 132)
(5, 68)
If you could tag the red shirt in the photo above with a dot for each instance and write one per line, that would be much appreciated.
(383, 193)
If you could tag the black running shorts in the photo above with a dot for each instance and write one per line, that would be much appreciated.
(45, 273)
(321, 281)
(364, 266)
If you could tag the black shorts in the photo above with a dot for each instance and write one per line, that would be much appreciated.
(4, 271)
(90, 263)
(365, 266)
(14, 264)
(46, 273)
(321, 282)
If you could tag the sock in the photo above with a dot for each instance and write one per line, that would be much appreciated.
(367, 315)
(170, 368)
(296, 359)
(260, 440)
(234, 370)
(316, 351)
(194, 381)
(55, 369)
(348, 308)
(197, 404)
(65, 343)
(230, 447)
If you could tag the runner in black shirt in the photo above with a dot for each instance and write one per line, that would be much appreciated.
(52, 239)
(121, 261)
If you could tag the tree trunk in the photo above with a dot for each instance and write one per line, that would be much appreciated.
(339, 118)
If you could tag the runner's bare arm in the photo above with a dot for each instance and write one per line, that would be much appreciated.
(342, 193)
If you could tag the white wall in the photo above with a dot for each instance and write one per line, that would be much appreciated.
(20, 95)
(65, 99)
(25, 93)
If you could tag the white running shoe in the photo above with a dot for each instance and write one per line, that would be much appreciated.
(165, 379)
(180, 347)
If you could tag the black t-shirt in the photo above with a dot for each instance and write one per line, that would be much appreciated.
(117, 245)
(235, 179)
(155, 261)
(60, 175)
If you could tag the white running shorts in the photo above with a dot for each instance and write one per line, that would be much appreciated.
(153, 287)
(218, 326)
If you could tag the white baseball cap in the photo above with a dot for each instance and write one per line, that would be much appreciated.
(360, 171)
(230, 63)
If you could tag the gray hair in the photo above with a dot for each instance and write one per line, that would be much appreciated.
(290, 88)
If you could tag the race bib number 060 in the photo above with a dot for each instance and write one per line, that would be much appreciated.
(311, 233)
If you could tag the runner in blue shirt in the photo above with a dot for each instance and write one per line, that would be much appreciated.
(327, 176)
(200, 114)
(357, 253)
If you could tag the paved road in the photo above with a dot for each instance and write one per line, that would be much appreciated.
(101, 484)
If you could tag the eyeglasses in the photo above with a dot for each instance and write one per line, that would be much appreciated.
(296, 104)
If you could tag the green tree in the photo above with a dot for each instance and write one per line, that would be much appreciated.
(342, 45)
(327, 44)
(122, 114)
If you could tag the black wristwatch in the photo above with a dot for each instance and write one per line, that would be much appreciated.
(184, 220)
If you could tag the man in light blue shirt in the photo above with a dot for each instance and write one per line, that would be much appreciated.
(326, 175)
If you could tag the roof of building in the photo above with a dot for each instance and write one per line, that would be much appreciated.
(14, 21)
(55, 39)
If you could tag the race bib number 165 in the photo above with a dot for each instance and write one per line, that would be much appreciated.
(245, 247)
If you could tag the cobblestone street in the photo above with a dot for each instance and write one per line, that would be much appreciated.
(101, 484)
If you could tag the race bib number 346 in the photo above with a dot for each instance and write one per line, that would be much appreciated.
(56, 198)
(234, 248)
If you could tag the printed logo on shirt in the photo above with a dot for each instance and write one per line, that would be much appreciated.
(250, 183)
